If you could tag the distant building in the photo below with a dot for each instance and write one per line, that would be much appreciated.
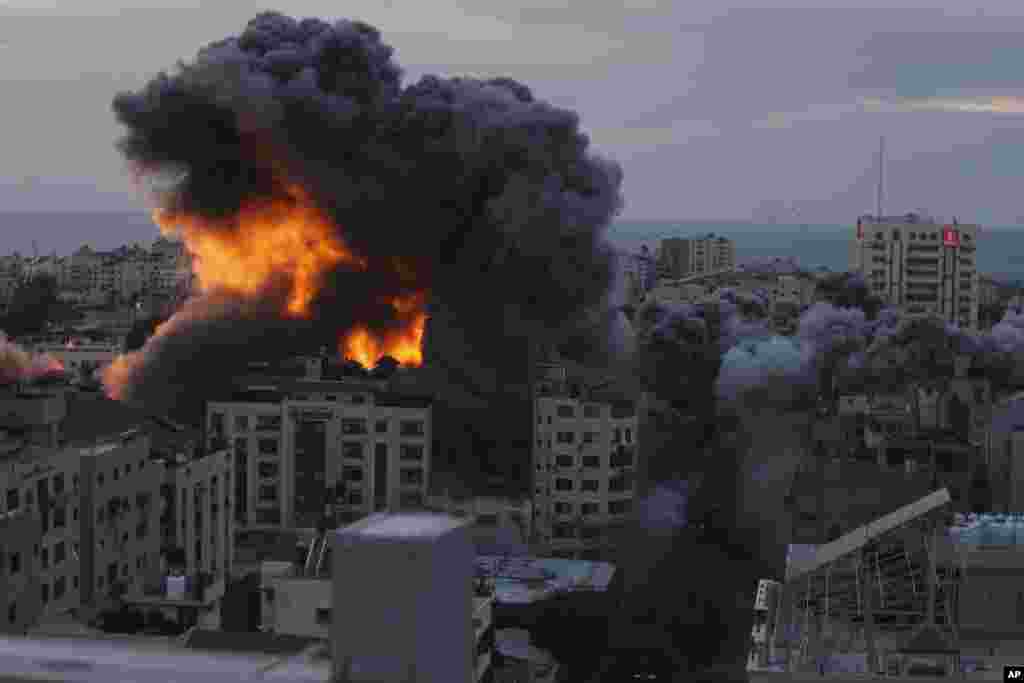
(682, 257)
(306, 449)
(765, 608)
(920, 266)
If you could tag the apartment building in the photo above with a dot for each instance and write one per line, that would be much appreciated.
(583, 460)
(120, 494)
(920, 266)
(681, 257)
(304, 449)
(198, 521)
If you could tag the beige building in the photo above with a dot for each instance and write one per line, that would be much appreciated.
(583, 459)
(295, 442)
(682, 257)
(921, 267)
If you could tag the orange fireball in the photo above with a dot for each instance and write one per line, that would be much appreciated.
(264, 240)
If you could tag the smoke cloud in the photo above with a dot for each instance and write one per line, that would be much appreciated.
(473, 191)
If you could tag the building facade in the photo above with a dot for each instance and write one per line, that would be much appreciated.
(921, 267)
(312, 449)
(583, 464)
(681, 257)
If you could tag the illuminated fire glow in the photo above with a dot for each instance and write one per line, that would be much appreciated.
(404, 344)
(263, 241)
(288, 237)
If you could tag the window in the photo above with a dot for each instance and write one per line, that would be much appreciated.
(563, 508)
(352, 449)
(410, 451)
(14, 563)
(355, 498)
(59, 553)
(45, 593)
(563, 484)
(591, 485)
(99, 479)
(60, 517)
(617, 436)
(591, 461)
(352, 426)
(622, 458)
(128, 469)
(487, 520)
(352, 473)
(589, 437)
(629, 435)
(58, 484)
(241, 423)
(563, 460)
(268, 494)
(268, 446)
(12, 499)
(357, 399)
(268, 470)
(44, 558)
(268, 422)
(217, 423)
(565, 437)
(60, 587)
(619, 507)
(323, 616)
(411, 477)
(618, 484)
(74, 582)
(410, 499)
(565, 411)
(381, 426)
(591, 411)
(411, 428)
(590, 508)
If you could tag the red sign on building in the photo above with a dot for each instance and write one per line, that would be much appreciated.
(950, 237)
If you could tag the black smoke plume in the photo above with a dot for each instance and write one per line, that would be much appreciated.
(486, 195)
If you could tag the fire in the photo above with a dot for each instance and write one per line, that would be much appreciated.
(289, 237)
(403, 344)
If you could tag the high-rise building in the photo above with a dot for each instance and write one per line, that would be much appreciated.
(920, 266)
(304, 449)
(681, 257)
(584, 456)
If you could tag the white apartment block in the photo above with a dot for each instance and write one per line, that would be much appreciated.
(198, 504)
(583, 459)
(921, 267)
(120, 497)
(293, 448)
(42, 556)
(683, 257)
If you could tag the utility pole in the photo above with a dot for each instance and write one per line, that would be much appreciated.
(881, 171)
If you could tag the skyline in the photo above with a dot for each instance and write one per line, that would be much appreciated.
(699, 104)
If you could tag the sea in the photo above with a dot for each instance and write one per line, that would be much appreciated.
(1000, 251)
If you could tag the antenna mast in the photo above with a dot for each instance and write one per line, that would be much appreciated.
(881, 167)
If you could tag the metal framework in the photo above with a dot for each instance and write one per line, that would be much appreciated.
(869, 583)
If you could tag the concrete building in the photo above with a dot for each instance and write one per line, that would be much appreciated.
(120, 494)
(681, 257)
(920, 266)
(406, 582)
(81, 358)
(765, 611)
(583, 461)
(304, 449)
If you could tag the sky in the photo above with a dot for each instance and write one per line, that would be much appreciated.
(715, 109)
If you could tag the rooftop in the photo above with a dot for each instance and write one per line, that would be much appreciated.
(403, 526)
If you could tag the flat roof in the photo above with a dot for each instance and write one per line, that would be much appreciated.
(522, 580)
(403, 526)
